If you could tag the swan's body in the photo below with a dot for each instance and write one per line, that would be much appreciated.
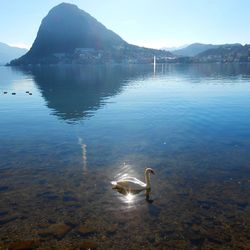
(132, 184)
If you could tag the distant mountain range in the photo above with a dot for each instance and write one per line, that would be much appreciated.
(8, 53)
(225, 53)
(198, 52)
(68, 34)
(196, 48)
(174, 48)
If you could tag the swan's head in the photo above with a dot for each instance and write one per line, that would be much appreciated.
(149, 170)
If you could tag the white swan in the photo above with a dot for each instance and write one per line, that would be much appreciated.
(132, 184)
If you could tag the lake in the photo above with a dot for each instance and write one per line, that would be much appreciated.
(79, 127)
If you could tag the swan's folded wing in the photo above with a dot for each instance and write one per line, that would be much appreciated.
(129, 184)
(134, 180)
(124, 184)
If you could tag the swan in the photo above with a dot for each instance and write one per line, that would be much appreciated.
(132, 184)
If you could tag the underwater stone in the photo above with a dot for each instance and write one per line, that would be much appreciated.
(23, 245)
(57, 230)
(85, 231)
(88, 244)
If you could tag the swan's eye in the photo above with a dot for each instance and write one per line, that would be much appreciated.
(152, 172)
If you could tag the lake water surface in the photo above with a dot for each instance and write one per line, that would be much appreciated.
(84, 126)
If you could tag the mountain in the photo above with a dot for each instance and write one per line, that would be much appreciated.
(226, 53)
(8, 53)
(69, 34)
(66, 27)
(171, 49)
(194, 49)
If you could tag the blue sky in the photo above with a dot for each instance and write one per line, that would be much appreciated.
(150, 23)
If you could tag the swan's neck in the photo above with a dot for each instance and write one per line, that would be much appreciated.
(147, 179)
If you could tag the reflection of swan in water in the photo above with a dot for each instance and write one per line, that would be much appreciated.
(133, 185)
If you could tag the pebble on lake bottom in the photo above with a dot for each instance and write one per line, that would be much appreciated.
(88, 244)
(13, 93)
(57, 230)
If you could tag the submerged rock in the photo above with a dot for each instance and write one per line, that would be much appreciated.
(23, 245)
(85, 231)
(56, 230)
(88, 245)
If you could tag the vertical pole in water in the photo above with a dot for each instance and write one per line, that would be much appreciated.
(154, 64)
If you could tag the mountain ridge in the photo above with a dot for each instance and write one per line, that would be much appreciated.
(66, 28)
(226, 53)
(66, 18)
(8, 53)
(196, 48)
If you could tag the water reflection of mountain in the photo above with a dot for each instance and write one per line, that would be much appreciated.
(74, 92)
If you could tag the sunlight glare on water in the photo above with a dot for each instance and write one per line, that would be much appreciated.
(130, 197)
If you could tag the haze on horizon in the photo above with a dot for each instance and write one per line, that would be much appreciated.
(148, 23)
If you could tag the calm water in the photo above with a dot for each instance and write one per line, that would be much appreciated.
(85, 126)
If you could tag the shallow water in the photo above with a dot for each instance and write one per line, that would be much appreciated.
(85, 126)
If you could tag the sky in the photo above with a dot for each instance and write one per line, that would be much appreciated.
(148, 23)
